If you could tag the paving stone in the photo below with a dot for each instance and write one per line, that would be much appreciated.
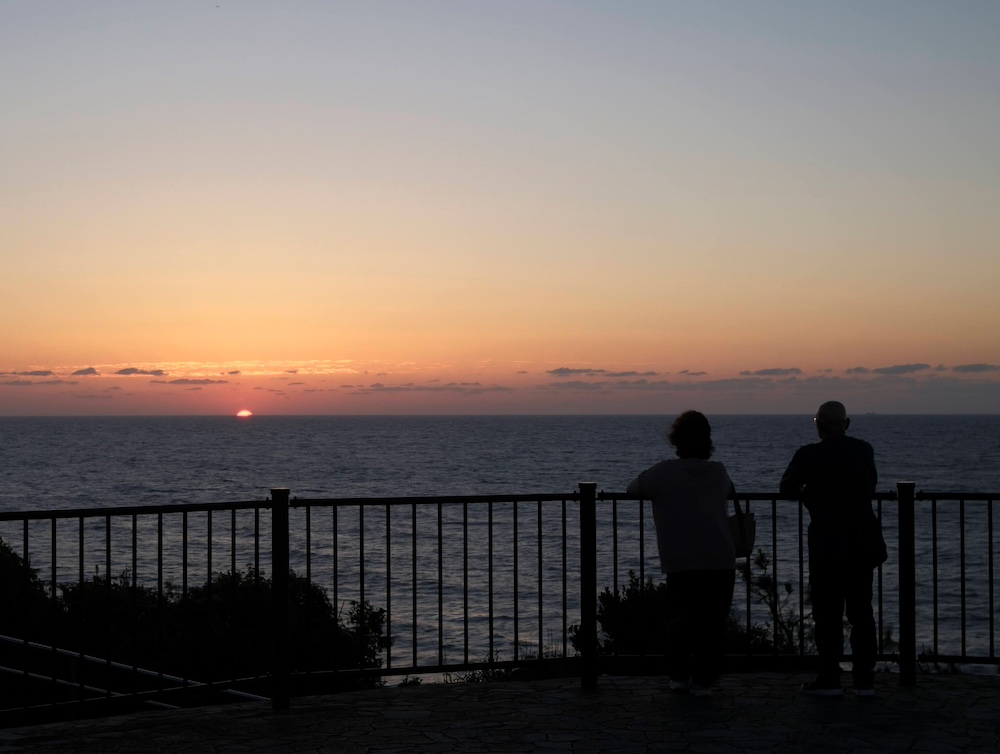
(959, 713)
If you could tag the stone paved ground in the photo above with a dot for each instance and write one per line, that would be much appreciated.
(748, 713)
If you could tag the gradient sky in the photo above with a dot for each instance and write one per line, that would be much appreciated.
(499, 207)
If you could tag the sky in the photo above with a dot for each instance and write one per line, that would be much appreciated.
(499, 207)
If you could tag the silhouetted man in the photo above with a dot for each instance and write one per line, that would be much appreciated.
(835, 479)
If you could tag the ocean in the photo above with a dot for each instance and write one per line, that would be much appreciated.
(74, 463)
(54, 463)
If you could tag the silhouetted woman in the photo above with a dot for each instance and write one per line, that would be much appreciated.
(689, 495)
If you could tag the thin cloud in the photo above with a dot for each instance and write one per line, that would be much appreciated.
(129, 371)
(196, 382)
(459, 388)
(88, 372)
(902, 369)
(975, 368)
(857, 370)
(35, 373)
(662, 386)
(575, 385)
(33, 383)
(569, 372)
(774, 372)
(233, 373)
(689, 373)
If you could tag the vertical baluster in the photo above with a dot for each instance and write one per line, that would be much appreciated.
(934, 572)
(489, 575)
(588, 584)
(643, 597)
(881, 624)
(26, 570)
(907, 586)
(541, 566)
(134, 603)
(413, 579)
(465, 579)
(160, 602)
(991, 576)
(962, 569)
(107, 614)
(335, 542)
(308, 553)
(516, 585)
(775, 612)
(80, 666)
(614, 545)
(256, 579)
(234, 585)
(210, 670)
(802, 581)
(363, 627)
(440, 584)
(53, 557)
(565, 584)
(388, 586)
(280, 670)
(335, 575)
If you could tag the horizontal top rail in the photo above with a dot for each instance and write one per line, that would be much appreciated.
(435, 499)
(298, 502)
(128, 510)
(987, 496)
(769, 496)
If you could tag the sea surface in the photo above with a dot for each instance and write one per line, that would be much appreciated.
(81, 463)
(53, 463)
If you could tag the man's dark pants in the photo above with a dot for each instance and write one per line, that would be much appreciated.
(834, 589)
(698, 604)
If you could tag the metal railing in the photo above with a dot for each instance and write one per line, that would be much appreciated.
(451, 587)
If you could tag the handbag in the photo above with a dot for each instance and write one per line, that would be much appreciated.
(867, 531)
(743, 527)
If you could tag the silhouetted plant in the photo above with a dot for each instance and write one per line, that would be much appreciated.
(633, 619)
(220, 630)
(26, 604)
(787, 625)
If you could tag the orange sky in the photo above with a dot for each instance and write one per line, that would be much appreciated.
(392, 209)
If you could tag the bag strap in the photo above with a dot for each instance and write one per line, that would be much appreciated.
(739, 511)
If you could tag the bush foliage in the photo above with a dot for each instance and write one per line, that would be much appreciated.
(220, 630)
(633, 618)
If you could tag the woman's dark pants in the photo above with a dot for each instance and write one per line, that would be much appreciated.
(698, 604)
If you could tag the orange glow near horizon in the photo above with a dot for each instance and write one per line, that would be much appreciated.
(244, 412)
(365, 242)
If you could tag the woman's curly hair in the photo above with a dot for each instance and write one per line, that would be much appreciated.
(691, 436)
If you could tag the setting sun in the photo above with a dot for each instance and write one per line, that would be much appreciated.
(244, 412)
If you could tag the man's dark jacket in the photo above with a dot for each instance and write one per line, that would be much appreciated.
(835, 479)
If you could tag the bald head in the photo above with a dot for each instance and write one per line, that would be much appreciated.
(831, 419)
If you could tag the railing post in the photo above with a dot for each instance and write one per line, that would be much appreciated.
(279, 599)
(907, 585)
(588, 584)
